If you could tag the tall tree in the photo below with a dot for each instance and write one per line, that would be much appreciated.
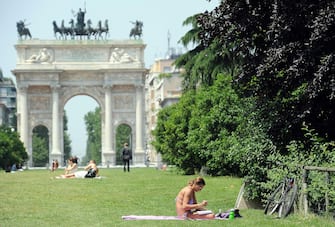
(203, 63)
(40, 146)
(67, 139)
(171, 134)
(288, 66)
(93, 128)
(123, 135)
(40, 151)
(217, 114)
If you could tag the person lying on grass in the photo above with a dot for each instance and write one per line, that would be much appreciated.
(186, 202)
(90, 171)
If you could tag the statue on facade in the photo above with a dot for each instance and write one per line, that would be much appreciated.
(80, 25)
(44, 56)
(120, 56)
(136, 31)
(22, 30)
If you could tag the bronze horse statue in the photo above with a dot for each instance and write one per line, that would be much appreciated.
(62, 30)
(101, 30)
(90, 30)
(137, 30)
(66, 30)
(22, 30)
(57, 30)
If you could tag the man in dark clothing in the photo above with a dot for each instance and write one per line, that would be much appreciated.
(126, 157)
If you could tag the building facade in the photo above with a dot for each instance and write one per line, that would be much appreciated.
(7, 101)
(163, 88)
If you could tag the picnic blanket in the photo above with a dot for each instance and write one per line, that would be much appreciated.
(150, 217)
(60, 177)
(219, 216)
(153, 217)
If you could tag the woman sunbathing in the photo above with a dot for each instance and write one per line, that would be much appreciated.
(186, 202)
(90, 171)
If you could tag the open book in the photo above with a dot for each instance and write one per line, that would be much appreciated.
(203, 212)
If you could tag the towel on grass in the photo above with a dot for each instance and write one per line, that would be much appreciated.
(150, 217)
(153, 217)
(219, 216)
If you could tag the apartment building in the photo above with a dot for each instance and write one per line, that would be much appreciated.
(7, 101)
(163, 88)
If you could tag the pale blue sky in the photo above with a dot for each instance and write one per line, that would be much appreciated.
(158, 16)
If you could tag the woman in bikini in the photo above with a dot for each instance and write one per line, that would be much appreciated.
(186, 202)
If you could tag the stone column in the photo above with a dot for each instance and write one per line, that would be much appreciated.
(56, 140)
(139, 150)
(23, 130)
(108, 157)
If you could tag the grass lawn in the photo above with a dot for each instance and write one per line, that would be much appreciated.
(35, 198)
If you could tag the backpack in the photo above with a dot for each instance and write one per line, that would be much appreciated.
(126, 154)
(91, 173)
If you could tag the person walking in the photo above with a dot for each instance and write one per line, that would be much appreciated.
(126, 157)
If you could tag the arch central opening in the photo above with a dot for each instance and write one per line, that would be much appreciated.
(84, 128)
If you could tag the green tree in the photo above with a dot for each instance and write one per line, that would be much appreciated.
(202, 64)
(66, 138)
(288, 67)
(123, 135)
(217, 114)
(12, 150)
(287, 47)
(40, 146)
(40, 150)
(186, 60)
(171, 134)
(93, 128)
(216, 129)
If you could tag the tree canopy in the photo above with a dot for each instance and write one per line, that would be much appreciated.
(287, 49)
(12, 150)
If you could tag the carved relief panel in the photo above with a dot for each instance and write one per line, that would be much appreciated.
(39, 99)
(124, 102)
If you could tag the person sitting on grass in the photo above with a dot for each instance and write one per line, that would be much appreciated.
(186, 202)
(90, 171)
(72, 165)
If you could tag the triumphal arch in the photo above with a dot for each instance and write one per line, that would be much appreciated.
(50, 72)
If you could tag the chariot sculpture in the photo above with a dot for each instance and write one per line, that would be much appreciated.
(77, 27)
(80, 28)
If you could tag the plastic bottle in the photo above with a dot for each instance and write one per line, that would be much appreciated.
(231, 214)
